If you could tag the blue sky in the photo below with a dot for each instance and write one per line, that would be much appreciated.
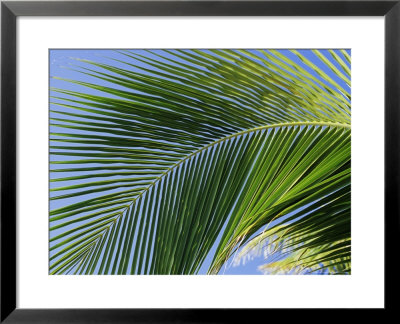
(63, 63)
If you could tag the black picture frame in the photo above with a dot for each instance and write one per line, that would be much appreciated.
(10, 10)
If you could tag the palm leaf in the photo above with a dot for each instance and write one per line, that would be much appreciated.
(168, 158)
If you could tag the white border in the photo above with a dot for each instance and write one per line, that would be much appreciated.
(364, 288)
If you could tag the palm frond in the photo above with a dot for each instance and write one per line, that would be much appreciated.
(168, 156)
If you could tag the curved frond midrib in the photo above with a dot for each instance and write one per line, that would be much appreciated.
(216, 142)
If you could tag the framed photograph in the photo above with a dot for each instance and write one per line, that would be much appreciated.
(194, 161)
